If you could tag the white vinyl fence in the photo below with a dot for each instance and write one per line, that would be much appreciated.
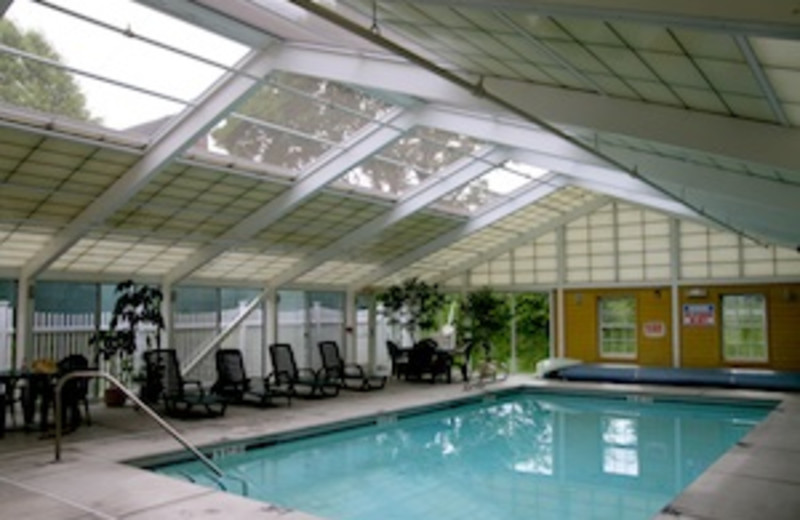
(56, 335)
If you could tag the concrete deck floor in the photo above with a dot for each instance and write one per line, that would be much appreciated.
(759, 479)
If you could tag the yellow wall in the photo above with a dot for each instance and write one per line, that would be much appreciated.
(700, 345)
(581, 334)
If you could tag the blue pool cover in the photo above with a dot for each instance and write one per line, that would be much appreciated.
(718, 377)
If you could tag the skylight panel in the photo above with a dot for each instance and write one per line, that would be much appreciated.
(115, 63)
(494, 186)
(293, 120)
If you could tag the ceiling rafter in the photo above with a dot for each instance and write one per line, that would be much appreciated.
(176, 137)
(454, 176)
(526, 237)
(547, 186)
(369, 140)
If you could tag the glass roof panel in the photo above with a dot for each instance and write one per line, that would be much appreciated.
(111, 49)
(494, 186)
(412, 158)
(292, 120)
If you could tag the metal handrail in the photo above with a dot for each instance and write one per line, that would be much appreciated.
(86, 374)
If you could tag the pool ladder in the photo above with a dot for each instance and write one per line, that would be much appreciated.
(218, 474)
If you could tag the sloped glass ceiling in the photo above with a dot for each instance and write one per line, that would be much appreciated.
(675, 66)
(420, 154)
(113, 63)
(292, 120)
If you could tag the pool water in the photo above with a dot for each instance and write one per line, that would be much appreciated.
(527, 456)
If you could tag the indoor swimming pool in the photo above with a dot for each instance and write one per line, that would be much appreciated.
(524, 455)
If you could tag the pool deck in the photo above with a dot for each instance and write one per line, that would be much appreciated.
(759, 479)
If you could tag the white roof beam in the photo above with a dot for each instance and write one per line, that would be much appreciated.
(749, 141)
(444, 182)
(746, 140)
(539, 148)
(736, 187)
(761, 78)
(368, 141)
(608, 181)
(478, 222)
(776, 18)
(182, 131)
(525, 238)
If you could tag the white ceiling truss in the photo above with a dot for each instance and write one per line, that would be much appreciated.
(697, 118)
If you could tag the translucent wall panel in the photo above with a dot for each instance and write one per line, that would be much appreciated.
(537, 263)
(589, 247)
(643, 244)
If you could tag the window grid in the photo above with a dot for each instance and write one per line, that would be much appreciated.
(617, 327)
(744, 328)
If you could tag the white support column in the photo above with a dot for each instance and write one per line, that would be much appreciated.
(23, 326)
(551, 333)
(562, 275)
(513, 364)
(272, 315)
(350, 328)
(674, 289)
(266, 305)
(167, 338)
(372, 333)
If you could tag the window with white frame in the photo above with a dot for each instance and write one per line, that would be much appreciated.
(744, 327)
(617, 326)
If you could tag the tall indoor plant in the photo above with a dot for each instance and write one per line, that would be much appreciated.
(484, 315)
(137, 310)
(413, 304)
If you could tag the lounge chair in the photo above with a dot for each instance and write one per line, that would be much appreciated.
(233, 384)
(351, 376)
(180, 396)
(304, 382)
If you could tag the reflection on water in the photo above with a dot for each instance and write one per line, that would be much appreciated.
(554, 457)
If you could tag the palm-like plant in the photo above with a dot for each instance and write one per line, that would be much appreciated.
(414, 304)
(483, 314)
(136, 306)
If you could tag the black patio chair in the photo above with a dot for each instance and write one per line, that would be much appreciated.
(233, 384)
(74, 392)
(304, 382)
(180, 396)
(351, 376)
(399, 357)
(426, 360)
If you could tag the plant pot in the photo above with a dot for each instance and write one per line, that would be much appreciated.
(114, 397)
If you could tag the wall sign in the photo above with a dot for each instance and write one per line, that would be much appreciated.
(654, 329)
(698, 314)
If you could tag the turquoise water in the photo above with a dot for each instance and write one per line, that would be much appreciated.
(529, 456)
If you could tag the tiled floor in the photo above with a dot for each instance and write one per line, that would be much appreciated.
(757, 480)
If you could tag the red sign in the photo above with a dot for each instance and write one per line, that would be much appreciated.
(698, 314)
(654, 329)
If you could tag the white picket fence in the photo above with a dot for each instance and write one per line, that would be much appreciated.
(56, 335)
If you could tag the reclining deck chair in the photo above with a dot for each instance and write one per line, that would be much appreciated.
(233, 384)
(179, 395)
(285, 372)
(349, 375)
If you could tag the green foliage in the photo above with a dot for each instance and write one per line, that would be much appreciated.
(30, 84)
(485, 316)
(136, 305)
(414, 304)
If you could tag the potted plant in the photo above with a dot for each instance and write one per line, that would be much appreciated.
(484, 314)
(413, 304)
(136, 307)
